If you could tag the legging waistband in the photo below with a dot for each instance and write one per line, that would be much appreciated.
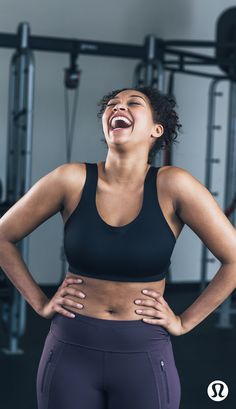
(109, 335)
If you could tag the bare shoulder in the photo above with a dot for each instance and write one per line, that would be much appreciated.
(45, 198)
(184, 187)
(179, 183)
(169, 180)
(69, 169)
(197, 207)
(73, 175)
(172, 171)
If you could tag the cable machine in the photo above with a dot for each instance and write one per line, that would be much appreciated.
(19, 160)
(150, 71)
(226, 57)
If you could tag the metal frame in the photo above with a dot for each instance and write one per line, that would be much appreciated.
(225, 310)
(19, 165)
(160, 48)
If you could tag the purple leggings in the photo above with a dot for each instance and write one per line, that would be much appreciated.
(93, 363)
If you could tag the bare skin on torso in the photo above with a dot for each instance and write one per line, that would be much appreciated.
(105, 299)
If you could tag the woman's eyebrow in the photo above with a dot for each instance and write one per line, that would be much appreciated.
(138, 96)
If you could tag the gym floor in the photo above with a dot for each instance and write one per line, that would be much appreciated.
(203, 355)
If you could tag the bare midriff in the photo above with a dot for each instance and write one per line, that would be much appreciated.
(112, 299)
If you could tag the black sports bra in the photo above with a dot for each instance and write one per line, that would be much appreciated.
(137, 251)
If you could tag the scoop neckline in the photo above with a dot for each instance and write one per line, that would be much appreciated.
(137, 217)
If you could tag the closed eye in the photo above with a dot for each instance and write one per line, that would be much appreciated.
(136, 103)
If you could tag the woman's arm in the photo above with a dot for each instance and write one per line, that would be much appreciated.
(44, 199)
(196, 207)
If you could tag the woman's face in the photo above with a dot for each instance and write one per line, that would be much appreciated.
(128, 118)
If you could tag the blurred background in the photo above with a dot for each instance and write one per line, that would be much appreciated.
(48, 100)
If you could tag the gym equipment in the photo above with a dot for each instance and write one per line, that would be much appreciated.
(19, 158)
(226, 58)
(226, 34)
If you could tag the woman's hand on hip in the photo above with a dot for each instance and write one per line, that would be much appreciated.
(159, 313)
(60, 299)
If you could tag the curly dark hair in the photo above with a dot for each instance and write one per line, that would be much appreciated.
(162, 112)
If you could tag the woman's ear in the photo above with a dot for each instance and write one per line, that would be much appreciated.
(158, 130)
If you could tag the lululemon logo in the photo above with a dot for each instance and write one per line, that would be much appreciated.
(217, 390)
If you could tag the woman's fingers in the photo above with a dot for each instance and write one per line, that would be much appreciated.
(64, 312)
(72, 291)
(61, 299)
(150, 312)
(158, 307)
(154, 294)
(65, 289)
(71, 280)
(68, 301)
(151, 303)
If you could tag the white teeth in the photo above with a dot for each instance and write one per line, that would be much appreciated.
(122, 118)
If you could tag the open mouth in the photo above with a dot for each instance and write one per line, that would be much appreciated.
(120, 122)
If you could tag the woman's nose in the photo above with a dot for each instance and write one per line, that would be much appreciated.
(119, 106)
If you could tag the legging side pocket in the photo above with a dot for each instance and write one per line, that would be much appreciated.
(50, 359)
(46, 372)
(165, 380)
(166, 377)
